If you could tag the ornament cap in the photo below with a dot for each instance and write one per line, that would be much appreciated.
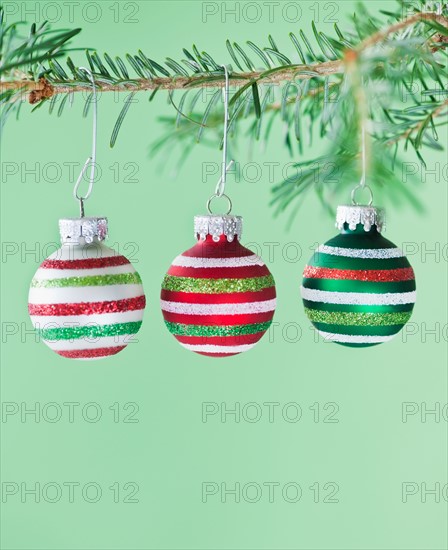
(230, 226)
(367, 216)
(76, 230)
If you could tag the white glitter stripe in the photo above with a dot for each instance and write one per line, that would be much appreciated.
(91, 343)
(364, 253)
(242, 261)
(218, 309)
(358, 298)
(82, 252)
(96, 319)
(70, 295)
(50, 273)
(354, 338)
(208, 348)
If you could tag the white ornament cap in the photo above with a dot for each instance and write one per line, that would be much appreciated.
(76, 230)
(367, 216)
(230, 226)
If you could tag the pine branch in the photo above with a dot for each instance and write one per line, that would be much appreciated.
(331, 83)
(47, 89)
(43, 89)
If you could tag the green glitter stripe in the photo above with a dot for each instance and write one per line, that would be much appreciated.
(359, 319)
(356, 308)
(340, 285)
(387, 330)
(180, 329)
(90, 331)
(319, 259)
(216, 286)
(90, 280)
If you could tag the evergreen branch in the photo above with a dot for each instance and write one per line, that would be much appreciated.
(339, 83)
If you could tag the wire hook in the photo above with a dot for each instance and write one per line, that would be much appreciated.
(362, 185)
(92, 159)
(221, 185)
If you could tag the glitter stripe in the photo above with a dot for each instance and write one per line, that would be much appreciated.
(373, 275)
(215, 286)
(358, 298)
(89, 263)
(211, 330)
(365, 253)
(53, 321)
(90, 353)
(218, 309)
(206, 348)
(88, 308)
(241, 261)
(89, 331)
(358, 319)
(353, 339)
(93, 280)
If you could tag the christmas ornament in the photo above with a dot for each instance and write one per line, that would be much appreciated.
(218, 298)
(85, 300)
(358, 288)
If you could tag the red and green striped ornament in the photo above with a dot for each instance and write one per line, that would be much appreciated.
(218, 298)
(86, 301)
(358, 288)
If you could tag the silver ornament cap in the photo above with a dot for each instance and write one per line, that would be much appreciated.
(78, 230)
(367, 216)
(230, 226)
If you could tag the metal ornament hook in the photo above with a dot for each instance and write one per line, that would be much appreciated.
(216, 196)
(225, 167)
(362, 187)
(92, 159)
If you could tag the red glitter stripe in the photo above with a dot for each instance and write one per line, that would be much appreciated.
(239, 340)
(218, 320)
(90, 353)
(88, 308)
(222, 298)
(90, 263)
(374, 275)
(219, 272)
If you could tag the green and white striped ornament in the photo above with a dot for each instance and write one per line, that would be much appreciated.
(358, 288)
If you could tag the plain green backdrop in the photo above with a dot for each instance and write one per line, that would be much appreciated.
(149, 431)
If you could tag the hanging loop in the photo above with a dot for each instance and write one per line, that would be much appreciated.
(92, 159)
(225, 166)
(362, 187)
(216, 196)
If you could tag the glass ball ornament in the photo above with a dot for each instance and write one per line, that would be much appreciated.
(358, 288)
(86, 301)
(218, 298)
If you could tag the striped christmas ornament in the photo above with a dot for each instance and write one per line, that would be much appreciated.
(358, 288)
(218, 298)
(85, 300)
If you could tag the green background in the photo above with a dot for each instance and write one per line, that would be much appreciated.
(170, 452)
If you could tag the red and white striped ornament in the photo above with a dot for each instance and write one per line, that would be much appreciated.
(85, 300)
(218, 298)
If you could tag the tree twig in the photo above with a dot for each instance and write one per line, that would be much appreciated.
(44, 89)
